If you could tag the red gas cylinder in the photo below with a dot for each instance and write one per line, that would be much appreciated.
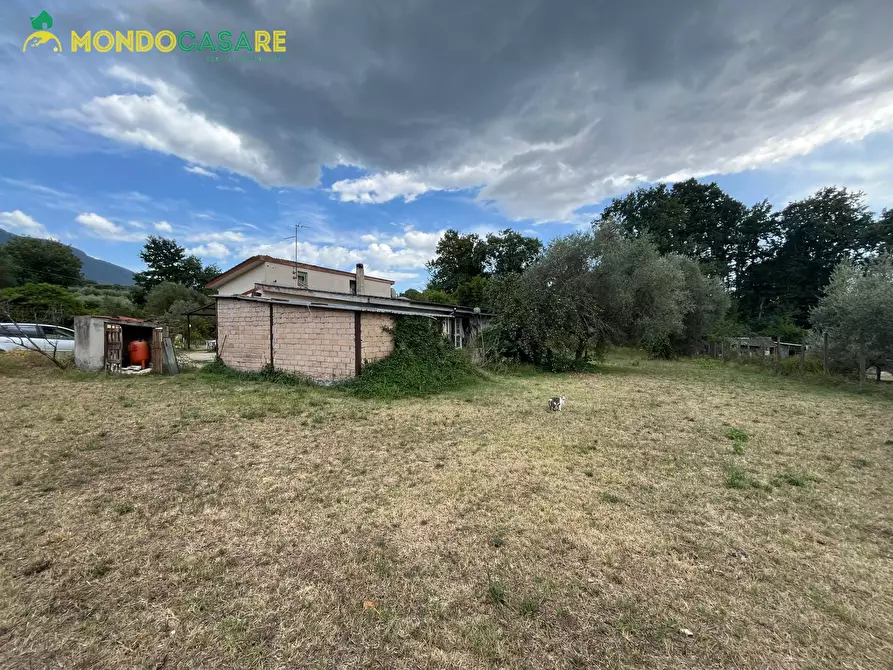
(139, 353)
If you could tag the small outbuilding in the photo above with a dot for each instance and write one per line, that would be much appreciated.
(325, 336)
(103, 342)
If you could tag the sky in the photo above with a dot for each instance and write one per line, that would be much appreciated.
(384, 124)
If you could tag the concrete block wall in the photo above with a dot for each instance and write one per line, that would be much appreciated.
(377, 342)
(243, 334)
(316, 343)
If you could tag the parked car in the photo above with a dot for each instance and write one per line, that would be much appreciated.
(36, 336)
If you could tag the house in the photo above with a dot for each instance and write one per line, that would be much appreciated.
(42, 21)
(276, 272)
(762, 346)
(325, 324)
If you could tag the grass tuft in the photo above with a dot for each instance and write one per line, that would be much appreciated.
(736, 478)
(495, 591)
(529, 606)
(793, 478)
(737, 435)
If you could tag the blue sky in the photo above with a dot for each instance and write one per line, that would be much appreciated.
(377, 141)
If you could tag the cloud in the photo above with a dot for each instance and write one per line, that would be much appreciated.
(540, 107)
(221, 236)
(164, 227)
(380, 188)
(236, 189)
(20, 223)
(101, 227)
(161, 121)
(214, 250)
(200, 171)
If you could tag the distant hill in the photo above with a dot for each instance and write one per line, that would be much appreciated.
(102, 272)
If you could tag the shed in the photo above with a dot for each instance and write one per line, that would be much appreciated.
(102, 342)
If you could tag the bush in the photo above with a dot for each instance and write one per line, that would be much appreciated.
(40, 303)
(659, 346)
(423, 363)
(790, 365)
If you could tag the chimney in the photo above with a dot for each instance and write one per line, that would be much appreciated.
(361, 280)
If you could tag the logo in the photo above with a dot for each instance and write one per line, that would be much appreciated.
(41, 35)
(261, 42)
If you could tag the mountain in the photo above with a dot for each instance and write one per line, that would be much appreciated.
(102, 272)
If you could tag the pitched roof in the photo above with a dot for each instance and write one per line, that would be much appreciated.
(254, 261)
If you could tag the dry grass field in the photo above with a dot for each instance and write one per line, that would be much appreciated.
(200, 521)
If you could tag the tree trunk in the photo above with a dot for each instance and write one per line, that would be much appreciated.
(877, 373)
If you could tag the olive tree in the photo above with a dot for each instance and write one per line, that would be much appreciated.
(592, 290)
(856, 312)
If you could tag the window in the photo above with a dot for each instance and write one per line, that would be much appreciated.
(458, 332)
(353, 286)
(302, 278)
(19, 330)
(58, 333)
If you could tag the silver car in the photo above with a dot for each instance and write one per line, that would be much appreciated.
(36, 336)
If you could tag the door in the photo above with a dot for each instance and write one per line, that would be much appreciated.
(114, 344)
(157, 350)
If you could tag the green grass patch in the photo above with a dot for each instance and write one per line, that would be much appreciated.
(737, 435)
(218, 370)
(798, 478)
(736, 478)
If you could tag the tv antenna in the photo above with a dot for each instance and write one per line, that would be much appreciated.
(294, 237)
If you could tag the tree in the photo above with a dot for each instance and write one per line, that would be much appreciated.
(815, 235)
(9, 269)
(697, 220)
(642, 293)
(459, 259)
(592, 290)
(511, 252)
(706, 306)
(880, 235)
(160, 299)
(41, 303)
(167, 262)
(38, 261)
(412, 294)
(856, 311)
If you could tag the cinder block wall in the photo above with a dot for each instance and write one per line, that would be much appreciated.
(243, 334)
(377, 342)
(315, 343)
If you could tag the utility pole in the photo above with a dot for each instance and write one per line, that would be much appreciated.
(294, 237)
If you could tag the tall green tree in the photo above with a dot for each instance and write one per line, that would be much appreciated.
(464, 262)
(9, 269)
(167, 261)
(509, 251)
(43, 261)
(459, 259)
(856, 311)
(814, 236)
(697, 220)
